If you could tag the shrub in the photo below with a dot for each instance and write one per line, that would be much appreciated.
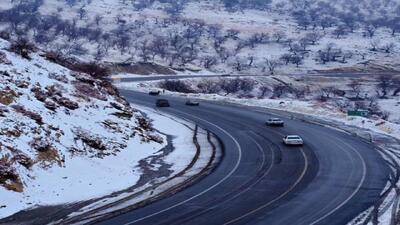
(236, 85)
(176, 86)
(207, 86)
(23, 47)
(93, 69)
(3, 58)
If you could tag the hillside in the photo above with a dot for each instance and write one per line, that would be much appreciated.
(241, 37)
(64, 136)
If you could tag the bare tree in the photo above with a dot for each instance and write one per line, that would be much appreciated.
(313, 37)
(383, 86)
(263, 91)
(327, 92)
(272, 64)
(22, 47)
(396, 86)
(144, 50)
(339, 31)
(278, 36)
(356, 88)
(375, 44)
(279, 90)
(388, 48)
(209, 61)
(369, 30)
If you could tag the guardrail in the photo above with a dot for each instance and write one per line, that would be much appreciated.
(390, 198)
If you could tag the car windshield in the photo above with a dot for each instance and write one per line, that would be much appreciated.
(293, 138)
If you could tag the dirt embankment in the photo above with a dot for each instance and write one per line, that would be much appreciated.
(140, 68)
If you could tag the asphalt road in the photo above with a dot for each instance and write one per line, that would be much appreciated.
(330, 180)
(173, 77)
(328, 74)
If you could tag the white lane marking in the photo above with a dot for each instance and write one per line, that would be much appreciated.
(208, 189)
(266, 172)
(280, 196)
(333, 201)
(355, 192)
(339, 206)
(359, 185)
(258, 180)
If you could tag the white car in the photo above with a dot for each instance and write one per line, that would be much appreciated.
(293, 140)
(192, 103)
(275, 122)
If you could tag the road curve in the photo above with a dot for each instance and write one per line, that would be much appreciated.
(330, 180)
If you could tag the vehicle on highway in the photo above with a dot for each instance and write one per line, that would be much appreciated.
(192, 103)
(162, 103)
(225, 75)
(293, 140)
(154, 92)
(275, 122)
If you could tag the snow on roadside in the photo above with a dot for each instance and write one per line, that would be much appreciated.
(181, 132)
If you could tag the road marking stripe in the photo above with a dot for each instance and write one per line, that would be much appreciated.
(354, 193)
(332, 201)
(264, 175)
(208, 189)
(298, 181)
(279, 197)
(248, 188)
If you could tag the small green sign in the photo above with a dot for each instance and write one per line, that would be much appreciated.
(359, 112)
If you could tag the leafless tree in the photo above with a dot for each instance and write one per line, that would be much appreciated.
(272, 64)
(356, 88)
(263, 91)
(388, 48)
(369, 30)
(327, 92)
(383, 86)
(313, 37)
(279, 36)
(279, 90)
(209, 61)
(22, 47)
(375, 44)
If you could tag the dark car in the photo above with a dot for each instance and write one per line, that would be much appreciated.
(275, 122)
(154, 92)
(162, 103)
(192, 103)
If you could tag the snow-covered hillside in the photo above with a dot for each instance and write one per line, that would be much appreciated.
(64, 136)
(288, 36)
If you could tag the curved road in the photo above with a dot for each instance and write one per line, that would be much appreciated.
(330, 180)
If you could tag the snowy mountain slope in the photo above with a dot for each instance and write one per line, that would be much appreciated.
(207, 35)
(64, 136)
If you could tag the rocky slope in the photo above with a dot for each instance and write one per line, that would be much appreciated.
(64, 135)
